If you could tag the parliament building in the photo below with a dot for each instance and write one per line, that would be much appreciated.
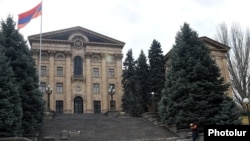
(84, 69)
(81, 66)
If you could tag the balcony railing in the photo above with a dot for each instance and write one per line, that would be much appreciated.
(78, 78)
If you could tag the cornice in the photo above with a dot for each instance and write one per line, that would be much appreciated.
(50, 41)
(104, 44)
(70, 42)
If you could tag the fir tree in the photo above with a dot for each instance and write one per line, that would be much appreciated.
(10, 101)
(156, 77)
(141, 73)
(128, 82)
(24, 69)
(194, 88)
(229, 115)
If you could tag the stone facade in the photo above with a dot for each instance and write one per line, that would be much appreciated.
(80, 66)
(218, 52)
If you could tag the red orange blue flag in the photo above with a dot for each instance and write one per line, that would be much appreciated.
(26, 17)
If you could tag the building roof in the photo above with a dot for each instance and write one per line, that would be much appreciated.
(216, 46)
(64, 35)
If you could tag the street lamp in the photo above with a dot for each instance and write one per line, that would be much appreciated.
(153, 101)
(112, 92)
(48, 91)
(246, 101)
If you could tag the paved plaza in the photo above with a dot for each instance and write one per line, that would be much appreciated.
(98, 127)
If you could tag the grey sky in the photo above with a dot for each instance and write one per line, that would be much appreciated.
(135, 22)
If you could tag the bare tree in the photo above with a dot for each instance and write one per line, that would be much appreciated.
(238, 58)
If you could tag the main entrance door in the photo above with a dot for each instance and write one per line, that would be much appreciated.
(78, 105)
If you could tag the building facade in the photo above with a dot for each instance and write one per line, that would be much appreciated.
(80, 66)
(218, 52)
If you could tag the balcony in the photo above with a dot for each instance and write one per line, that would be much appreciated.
(78, 78)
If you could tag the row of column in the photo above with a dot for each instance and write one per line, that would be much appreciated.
(89, 97)
(52, 83)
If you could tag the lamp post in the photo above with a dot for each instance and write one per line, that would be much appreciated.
(48, 91)
(153, 101)
(111, 92)
(246, 101)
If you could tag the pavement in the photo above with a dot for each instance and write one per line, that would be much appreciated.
(100, 127)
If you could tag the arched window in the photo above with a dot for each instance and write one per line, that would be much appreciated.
(78, 65)
(44, 56)
(59, 56)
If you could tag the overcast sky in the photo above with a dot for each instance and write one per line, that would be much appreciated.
(135, 22)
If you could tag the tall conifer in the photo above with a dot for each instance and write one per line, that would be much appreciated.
(141, 73)
(23, 65)
(10, 101)
(128, 81)
(156, 77)
(194, 89)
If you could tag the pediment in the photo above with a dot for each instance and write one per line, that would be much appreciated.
(214, 45)
(66, 35)
(211, 44)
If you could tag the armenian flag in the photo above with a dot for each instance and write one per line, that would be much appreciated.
(25, 18)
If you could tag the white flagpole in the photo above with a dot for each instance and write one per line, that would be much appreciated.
(40, 52)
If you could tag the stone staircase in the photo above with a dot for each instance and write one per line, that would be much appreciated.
(107, 127)
(100, 127)
(155, 119)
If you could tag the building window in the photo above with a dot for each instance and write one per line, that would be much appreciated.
(43, 70)
(59, 106)
(95, 72)
(44, 56)
(97, 107)
(96, 88)
(59, 71)
(111, 73)
(59, 88)
(43, 87)
(59, 57)
(78, 65)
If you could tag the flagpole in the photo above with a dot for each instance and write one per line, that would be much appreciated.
(40, 52)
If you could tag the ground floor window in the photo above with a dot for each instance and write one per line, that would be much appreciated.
(59, 106)
(97, 106)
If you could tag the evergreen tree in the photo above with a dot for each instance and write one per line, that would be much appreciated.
(156, 77)
(229, 115)
(10, 102)
(128, 82)
(194, 88)
(24, 69)
(141, 73)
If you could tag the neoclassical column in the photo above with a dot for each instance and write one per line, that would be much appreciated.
(68, 90)
(104, 84)
(119, 92)
(51, 82)
(88, 91)
(36, 57)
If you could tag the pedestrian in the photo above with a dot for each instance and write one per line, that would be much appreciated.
(195, 131)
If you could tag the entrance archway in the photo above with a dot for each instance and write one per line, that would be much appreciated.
(78, 105)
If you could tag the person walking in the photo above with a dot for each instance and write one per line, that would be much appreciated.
(195, 131)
